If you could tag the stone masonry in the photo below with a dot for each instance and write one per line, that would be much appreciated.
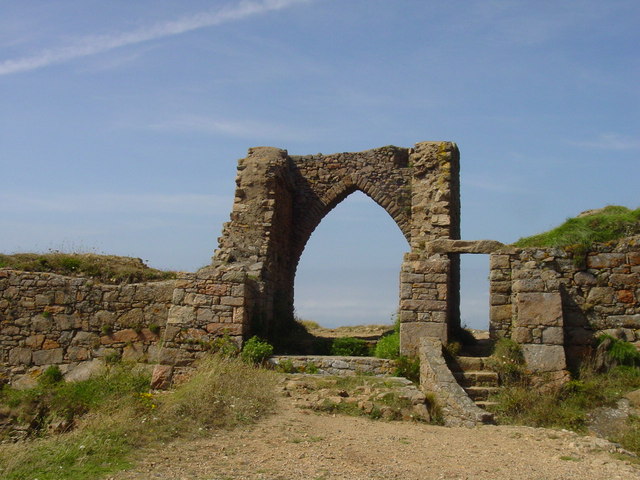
(281, 199)
(551, 301)
(555, 302)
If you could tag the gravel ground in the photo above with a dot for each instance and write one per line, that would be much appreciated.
(300, 444)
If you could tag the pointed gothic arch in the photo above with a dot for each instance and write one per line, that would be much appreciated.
(281, 199)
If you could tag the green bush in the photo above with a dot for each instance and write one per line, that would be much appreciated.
(507, 361)
(256, 350)
(311, 368)
(408, 367)
(349, 347)
(224, 346)
(286, 366)
(51, 376)
(388, 346)
(620, 352)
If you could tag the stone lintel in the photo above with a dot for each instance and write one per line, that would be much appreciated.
(445, 245)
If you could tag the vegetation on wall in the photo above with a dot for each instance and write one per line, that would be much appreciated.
(571, 405)
(104, 268)
(604, 225)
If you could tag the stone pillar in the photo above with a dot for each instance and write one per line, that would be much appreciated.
(424, 288)
(428, 282)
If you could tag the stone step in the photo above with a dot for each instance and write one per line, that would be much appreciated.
(480, 393)
(464, 363)
(482, 348)
(477, 378)
(485, 403)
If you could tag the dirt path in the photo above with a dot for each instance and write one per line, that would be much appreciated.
(299, 444)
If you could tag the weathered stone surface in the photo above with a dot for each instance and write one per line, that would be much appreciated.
(553, 336)
(20, 356)
(634, 398)
(48, 357)
(436, 378)
(84, 370)
(544, 358)
(628, 321)
(606, 260)
(133, 353)
(539, 309)
(161, 377)
(584, 278)
(528, 285)
(183, 315)
(445, 245)
(412, 333)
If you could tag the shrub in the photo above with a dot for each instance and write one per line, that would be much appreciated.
(507, 361)
(51, 376)
(286, 366)
(388, 346)
(311, 368)
(224, 346)
(223, 392)
(619, 352)
(408, 367)
(452, 349)
(256, 350)
(350, 347)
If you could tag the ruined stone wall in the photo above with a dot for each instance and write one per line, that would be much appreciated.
(281, 199)
(248, 288)
(556, 302)
(53, 319)
(430, 281)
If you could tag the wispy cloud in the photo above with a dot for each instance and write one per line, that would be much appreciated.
(236, 128)
(193, 204)
(97, 44)
(494, 184)
(611, 141)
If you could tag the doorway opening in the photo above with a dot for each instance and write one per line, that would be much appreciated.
(347, 280)
(474, 291)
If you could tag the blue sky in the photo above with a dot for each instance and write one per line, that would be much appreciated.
(121, 123)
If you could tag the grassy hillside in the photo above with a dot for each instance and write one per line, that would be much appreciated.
(603, 225)
(105, 268)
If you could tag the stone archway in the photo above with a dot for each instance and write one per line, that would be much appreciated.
(280, 200)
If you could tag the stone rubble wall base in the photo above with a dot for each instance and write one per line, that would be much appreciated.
(76, 323)
(436, 377)
(330, 365)
(556, 302)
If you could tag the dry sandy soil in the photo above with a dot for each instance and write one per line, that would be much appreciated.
(299, 444)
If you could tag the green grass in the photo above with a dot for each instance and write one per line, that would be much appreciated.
(610, 223)
(569, 406)
(104, 268)
(350, 347)
(115, 415)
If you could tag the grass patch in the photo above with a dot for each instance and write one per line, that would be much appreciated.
(115, 414)
(507, 360)
(104, 268)
(408, 367)
(568, 407)
(350, 347)
(605, 225)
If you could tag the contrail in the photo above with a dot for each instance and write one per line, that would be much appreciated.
(96, 44)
